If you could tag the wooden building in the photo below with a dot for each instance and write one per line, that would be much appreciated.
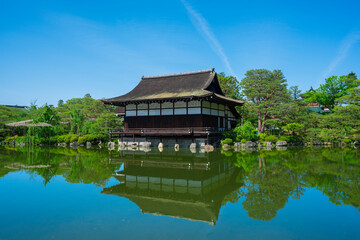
(190, 102)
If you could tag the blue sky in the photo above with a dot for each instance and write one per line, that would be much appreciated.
(51, 50)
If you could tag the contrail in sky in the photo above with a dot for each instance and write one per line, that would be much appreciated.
(346, 44)
(203, 27)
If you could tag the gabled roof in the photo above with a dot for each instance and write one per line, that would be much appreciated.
(188, 85)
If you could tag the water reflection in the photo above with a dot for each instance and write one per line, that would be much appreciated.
(182, 185)
(195, 186)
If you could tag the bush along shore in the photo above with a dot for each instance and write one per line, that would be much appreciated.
(280, 144)
(246, 136)
(72, 140)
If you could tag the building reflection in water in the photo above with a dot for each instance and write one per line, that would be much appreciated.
(188, 186)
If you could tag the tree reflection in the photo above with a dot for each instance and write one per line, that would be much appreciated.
(75, 165)
(268, 178)
(272, 177)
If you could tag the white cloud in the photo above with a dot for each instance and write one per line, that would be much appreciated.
(345, 46)
(203, 27)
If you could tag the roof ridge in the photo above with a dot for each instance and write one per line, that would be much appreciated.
(179, 74)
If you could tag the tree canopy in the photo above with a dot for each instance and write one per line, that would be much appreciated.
(265, 91)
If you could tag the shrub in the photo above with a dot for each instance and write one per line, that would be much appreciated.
(246, 131)
(262, 137)
(229, 134)
(10, 139)
(272, 139)
(74, 138)
(228, 141)
(54, 139)
(20, 139)
(284, 138)
(42, 140)
(67, 138)
(86, 138)
(243, 140)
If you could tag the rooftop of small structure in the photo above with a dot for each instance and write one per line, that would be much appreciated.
(27, 123)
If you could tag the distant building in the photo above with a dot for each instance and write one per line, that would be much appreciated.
(316, 107)
(16, 106)
(189, 103)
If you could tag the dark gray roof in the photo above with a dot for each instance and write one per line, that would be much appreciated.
(198, 84)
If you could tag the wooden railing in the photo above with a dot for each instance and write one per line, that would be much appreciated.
(166, 131)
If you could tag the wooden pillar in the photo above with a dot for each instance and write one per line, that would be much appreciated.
(25, 135)
(49, 135)
(14, 136)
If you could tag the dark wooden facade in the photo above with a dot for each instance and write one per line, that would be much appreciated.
(181, 121)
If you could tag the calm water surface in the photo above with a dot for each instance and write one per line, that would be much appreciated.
(58, 193)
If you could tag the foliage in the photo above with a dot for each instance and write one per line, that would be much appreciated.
(105, 122)
(48, 114)
(293, 128)
(67, 138)
(228, 141)
(245, 131)
(265, 91)
(86, 138)
(77, 120)
(229, 85)
(272, 139)
(333, 89)
(262, 137)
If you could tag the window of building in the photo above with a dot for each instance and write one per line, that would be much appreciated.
(180, 104)
(206, 111)
(154, 106)
(142, 106)
(130, 113)
(180, 111)
(131, 107)
(142, 112)
(194, 103)
(154, 112)
(167, 111)
(194, 110)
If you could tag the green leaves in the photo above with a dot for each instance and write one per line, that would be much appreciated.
(266, 91)
(332, 90)
(246, 131)
(229, 85)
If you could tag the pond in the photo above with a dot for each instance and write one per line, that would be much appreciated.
(63, 193)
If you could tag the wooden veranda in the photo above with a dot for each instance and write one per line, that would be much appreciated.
(159, 132)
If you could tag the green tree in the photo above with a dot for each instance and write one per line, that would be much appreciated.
(77, 120)
(295, 92)
(334, 88)
(6, 115)
(229, 85)
(105, 122)
(246, 131)
(347, 113)
(48, 114)
(265, 91)
(60, 103)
